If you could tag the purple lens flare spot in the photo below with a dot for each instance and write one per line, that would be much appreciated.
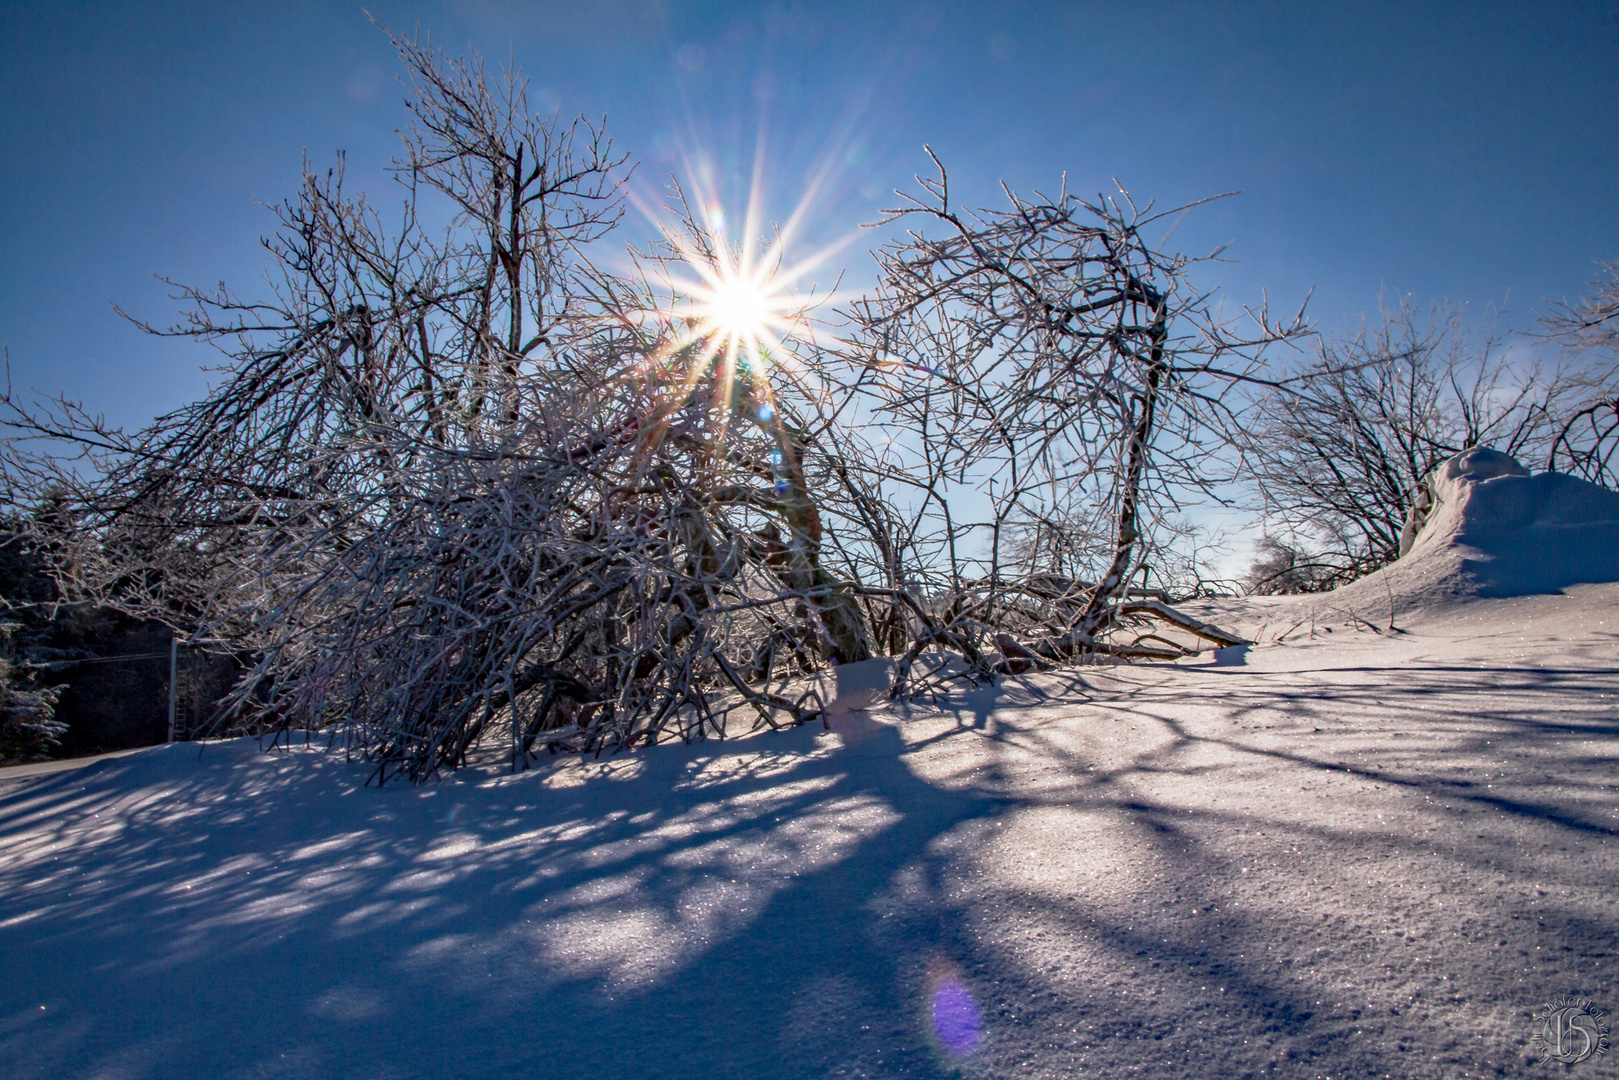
(955, 1017)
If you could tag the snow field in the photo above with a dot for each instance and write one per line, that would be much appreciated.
(1353, 854)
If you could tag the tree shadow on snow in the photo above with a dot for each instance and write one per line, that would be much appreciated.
(781, 906)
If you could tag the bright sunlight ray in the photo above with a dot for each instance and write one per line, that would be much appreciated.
(733, 296)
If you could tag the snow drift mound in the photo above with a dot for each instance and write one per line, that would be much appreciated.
(1518, 534)
(1489, 528)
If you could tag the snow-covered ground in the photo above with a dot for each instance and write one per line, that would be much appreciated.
(1375, 843)
(1360, 854)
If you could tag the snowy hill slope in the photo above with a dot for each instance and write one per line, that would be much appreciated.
(1493, 530)
(1356, 855)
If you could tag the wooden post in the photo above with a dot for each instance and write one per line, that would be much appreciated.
(174, 663)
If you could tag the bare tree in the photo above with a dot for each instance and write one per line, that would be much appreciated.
(1338, 456)
(1286, 568)
(1052, 358)
(466, 482)
(1591, 323)
(425, 492)
(1587, 442)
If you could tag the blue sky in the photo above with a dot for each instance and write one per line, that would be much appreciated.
(1460, 151)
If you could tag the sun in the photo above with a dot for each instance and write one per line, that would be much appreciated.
(738, 308)
(743, 310)
(727, 308)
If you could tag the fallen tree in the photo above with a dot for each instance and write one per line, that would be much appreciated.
(1049, 357)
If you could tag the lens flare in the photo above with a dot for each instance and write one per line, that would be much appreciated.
(956, 1021)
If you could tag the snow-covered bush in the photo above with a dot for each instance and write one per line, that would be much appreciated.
(1283, 568)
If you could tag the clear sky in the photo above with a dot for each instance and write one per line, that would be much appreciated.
(1464, 151)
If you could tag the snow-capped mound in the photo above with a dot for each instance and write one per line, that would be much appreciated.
(1485, 527)
(1515, 534)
